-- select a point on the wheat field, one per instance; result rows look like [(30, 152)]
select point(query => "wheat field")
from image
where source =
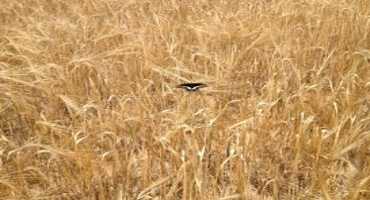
[(89, 107)]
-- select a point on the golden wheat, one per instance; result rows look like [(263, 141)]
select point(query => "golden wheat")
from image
[(89, 107)]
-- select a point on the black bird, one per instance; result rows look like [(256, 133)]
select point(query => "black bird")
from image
[(192, 87)]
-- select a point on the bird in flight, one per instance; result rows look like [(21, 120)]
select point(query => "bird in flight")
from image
[(192, 87)]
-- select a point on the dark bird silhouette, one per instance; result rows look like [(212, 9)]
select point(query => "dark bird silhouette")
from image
[(192, 87)]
